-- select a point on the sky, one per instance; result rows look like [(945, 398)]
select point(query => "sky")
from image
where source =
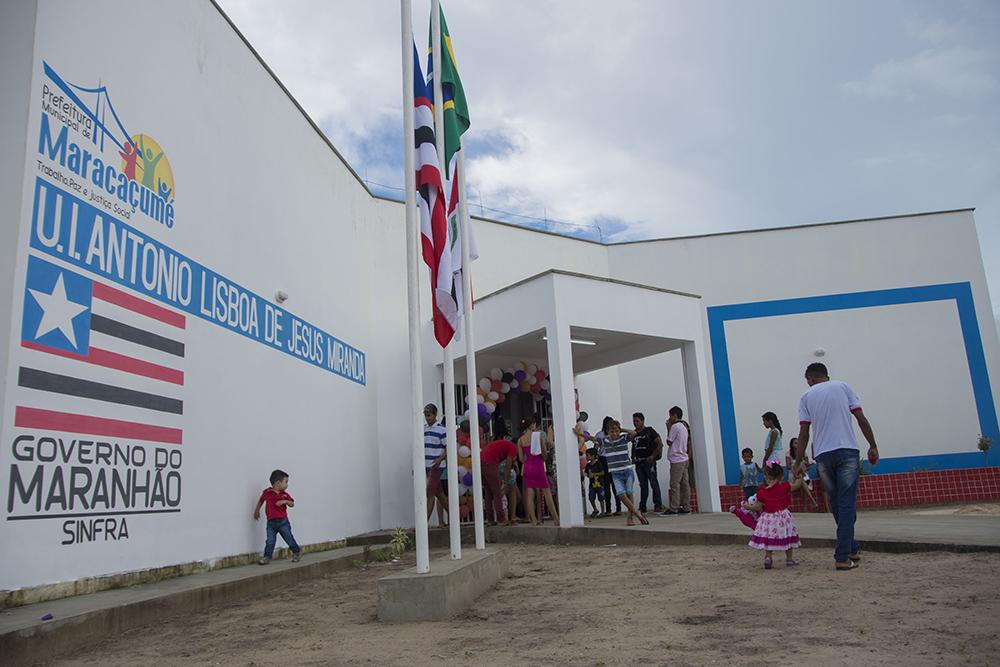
[(641, 119)]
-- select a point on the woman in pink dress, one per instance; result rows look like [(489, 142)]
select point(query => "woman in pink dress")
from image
[(532, 448)]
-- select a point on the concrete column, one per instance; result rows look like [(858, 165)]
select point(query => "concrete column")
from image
[(706, 469), (563, 420)]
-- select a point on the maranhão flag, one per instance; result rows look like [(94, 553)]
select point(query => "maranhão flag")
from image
[(456, 122), (437, 250), (98, 360)]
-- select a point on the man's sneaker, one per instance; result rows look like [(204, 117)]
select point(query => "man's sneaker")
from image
[(264, 561), (683, 511), (668, 513), (659, 509), (297, 557)]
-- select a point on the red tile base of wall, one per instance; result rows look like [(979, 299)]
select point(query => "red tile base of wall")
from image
[(896, 490)]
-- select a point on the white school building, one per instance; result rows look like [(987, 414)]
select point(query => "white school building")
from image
[(158, 189)]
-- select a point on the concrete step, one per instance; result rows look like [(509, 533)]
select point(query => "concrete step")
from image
[(77, 621)]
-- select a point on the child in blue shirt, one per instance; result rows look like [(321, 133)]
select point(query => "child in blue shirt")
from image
[(748, 473)]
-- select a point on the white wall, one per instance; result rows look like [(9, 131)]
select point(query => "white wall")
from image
[(261, 200), (16, 33), (821, 260)]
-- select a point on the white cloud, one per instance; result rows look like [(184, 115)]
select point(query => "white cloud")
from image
[(673, 118), (959, 72)]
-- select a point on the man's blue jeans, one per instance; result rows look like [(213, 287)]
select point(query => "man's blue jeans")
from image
[(839, 472), (281, 527)]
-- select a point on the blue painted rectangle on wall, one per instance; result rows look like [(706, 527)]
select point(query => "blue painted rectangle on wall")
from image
[(961, 293)]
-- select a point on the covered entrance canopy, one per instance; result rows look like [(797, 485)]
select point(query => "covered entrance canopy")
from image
[(538, 317)]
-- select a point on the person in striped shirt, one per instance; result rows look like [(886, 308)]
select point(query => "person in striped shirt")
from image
[(435, 452), (620, 467)]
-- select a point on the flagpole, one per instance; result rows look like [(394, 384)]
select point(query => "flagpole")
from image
[(413, 298), (454, 520), (470, 359)]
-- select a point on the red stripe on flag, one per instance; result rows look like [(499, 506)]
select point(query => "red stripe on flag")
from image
[(115, 428), (119, 362), (137, 305)]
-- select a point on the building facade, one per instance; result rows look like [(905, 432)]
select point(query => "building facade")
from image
[(159, 188)]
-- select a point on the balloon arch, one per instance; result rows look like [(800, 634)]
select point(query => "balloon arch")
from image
[(500, 384), (492, 391)]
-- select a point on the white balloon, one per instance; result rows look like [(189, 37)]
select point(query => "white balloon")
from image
[(514, 384), (493, 396), (531, 370), (461, 472), (485, 384), (504, 387), (496, 374), (466, 400), (490, 406), (480, 398), (463, 489), (464, 452), (544, 384), (509, 370)]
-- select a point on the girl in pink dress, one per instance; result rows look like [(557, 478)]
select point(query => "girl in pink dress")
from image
[(775, 529), (532, 448)]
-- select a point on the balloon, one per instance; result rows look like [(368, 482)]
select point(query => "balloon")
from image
[(479, 390), (531, 370), (540, 375), (493, 396), (545, 384), (490, 407), (514, 384), (504, 387), (467, 479), (496, 385), (462, 471), (480, 398), (496, 374), (508, 376), (501, 398), (464, 509), (464, 451), (484, 384), (467, 462), (519, 375), (519, 366), (483, 412)]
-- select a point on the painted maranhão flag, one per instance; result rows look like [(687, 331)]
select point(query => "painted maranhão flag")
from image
[(456, 123), (431, 202), (97, 360)]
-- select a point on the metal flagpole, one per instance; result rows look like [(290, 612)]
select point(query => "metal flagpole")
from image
[(454, 520), (413, 297), (470, 359)]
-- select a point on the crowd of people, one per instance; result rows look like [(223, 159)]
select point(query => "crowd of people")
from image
[(519, 475), (519, 478)]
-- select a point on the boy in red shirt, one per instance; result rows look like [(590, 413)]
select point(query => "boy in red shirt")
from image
[(277, 501)]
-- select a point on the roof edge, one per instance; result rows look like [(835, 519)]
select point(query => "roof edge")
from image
[(789, 227), (586, 276), (291, 97)]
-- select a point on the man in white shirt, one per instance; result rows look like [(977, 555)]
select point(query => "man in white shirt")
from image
[(826, 409)]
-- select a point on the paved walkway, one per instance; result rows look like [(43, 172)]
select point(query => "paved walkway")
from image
[(972, 526)]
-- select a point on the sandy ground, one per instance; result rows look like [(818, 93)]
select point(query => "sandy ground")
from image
[(611, 606)]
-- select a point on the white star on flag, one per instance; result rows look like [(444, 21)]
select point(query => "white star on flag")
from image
[(57, 311)]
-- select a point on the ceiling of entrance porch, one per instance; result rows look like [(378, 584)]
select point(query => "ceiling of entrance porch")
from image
[(612, 348)]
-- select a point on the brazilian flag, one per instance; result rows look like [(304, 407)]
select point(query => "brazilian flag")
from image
[(456, 110)]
